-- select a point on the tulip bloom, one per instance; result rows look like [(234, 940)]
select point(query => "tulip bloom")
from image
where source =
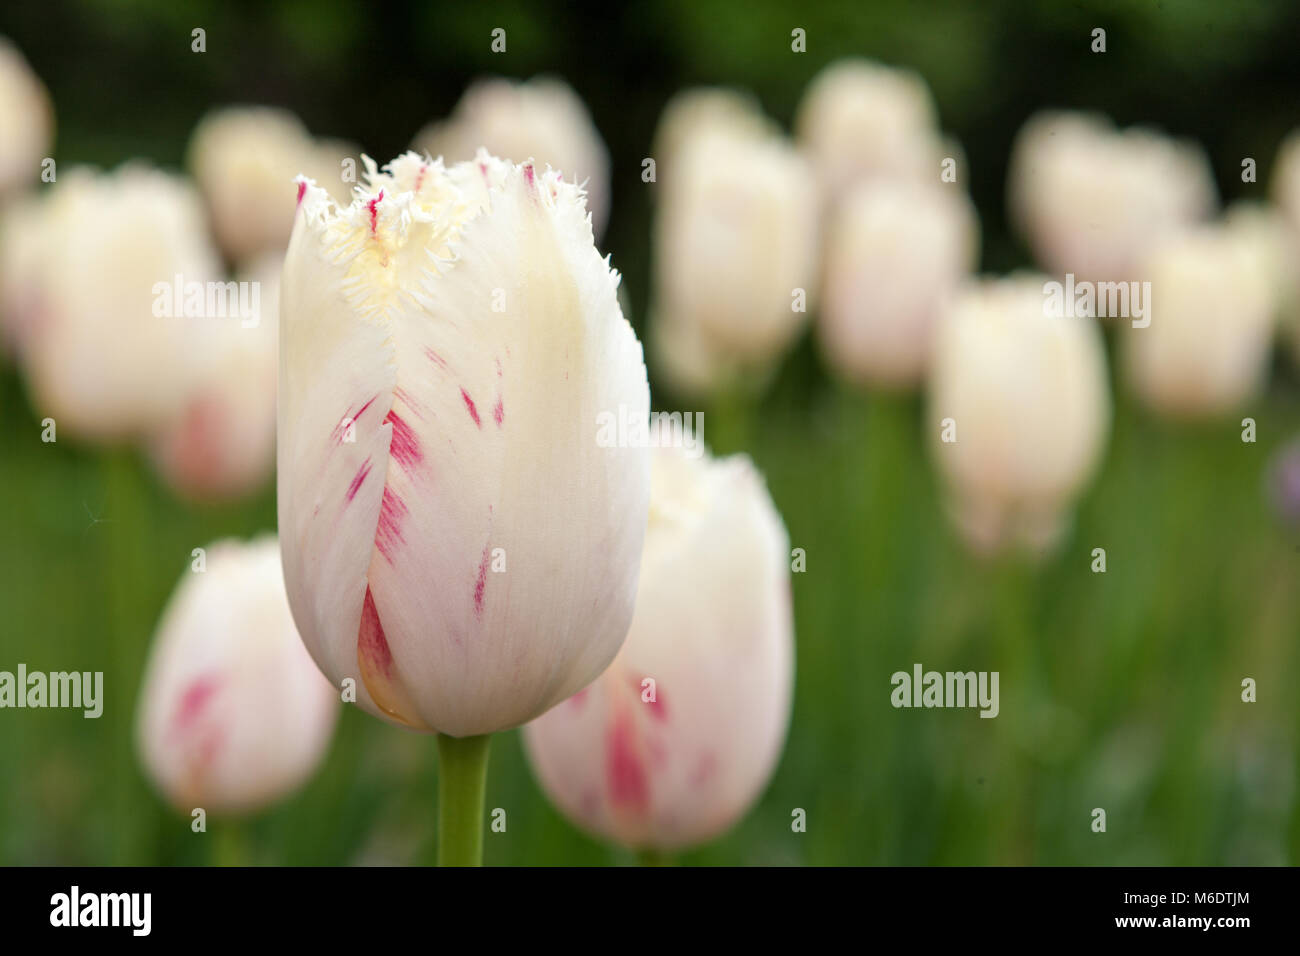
[(233, 714), (895, 254), (678, 737), (1019, 410), (542, 119), (1214, 296), (864, 121), (1092, 201), (99, 358), (735, 244), (219, 441), (26, 121), (242, 158), (454, 537)]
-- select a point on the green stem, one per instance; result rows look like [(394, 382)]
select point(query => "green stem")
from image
[(123, 531), (649, 856), (462, 781), (230, 845)]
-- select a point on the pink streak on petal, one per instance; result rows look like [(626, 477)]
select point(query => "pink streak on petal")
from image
[(372, 645), (196, 697), (435, 358), (358, 479), (374, 213), (625, 774), (302, 188), (404, 448), (499, 413), (388, 534), (480, 586), (578, 699), (469, 404)]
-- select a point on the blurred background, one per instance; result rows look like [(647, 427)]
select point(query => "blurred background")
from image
[(1119, 690)]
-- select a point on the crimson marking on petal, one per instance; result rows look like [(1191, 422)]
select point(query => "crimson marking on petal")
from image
[(469, 404), (499, 412), (404, 447), (419, 177), (625, 774), (372, 645), (302, 188), (403, 396), (374, 213), (196, 697), (480, 586), (388, 533), (528, 175), (358, 479), (435, 358), (704, 771)]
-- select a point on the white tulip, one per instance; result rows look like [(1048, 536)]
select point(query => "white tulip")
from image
[(107, 248), (1018, 412), (245, 160), (735, 244), (542, 119), (26, 121), (1092, 201), (679, 736), (1214, 299), (861, 120), (219, 441), (454, 536), (895, 254), (233, 714)]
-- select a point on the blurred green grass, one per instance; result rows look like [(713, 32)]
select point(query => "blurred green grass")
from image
[(1118, 690)]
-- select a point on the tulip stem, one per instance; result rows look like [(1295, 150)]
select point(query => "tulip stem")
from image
[(462, 782), (652, 857)]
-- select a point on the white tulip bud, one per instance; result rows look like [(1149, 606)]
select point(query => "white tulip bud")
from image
[(861, 120), (244, 160), (1092, 201), (233, 714), (26, 121), (101, 347), (455, 534), (895, 254), (219, 441), (1018, 411), (678, 737), (735, 249), (542, 119), (1213, 305)]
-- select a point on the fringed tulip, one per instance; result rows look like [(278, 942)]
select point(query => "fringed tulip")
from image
[(895, 254), (542, 119), (233, 714), (1019, 410), (455, 538), (675, 741)]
